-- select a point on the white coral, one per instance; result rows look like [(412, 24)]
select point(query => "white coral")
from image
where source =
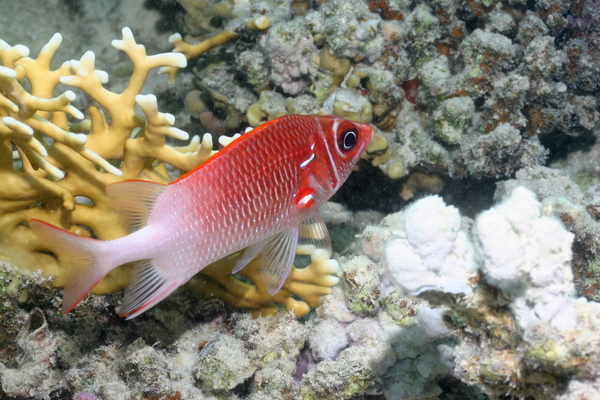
[(525, 254), (428, 249), (528, 256)]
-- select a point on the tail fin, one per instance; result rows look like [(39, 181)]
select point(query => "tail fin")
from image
[(86, 252)]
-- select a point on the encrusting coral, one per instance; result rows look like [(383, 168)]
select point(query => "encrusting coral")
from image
[(56, 170)]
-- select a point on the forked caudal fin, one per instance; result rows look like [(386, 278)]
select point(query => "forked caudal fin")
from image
[(89, 268)]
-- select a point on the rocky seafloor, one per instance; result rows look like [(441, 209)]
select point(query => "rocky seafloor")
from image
[(487, 290)]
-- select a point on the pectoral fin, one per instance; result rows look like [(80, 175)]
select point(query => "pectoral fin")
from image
[(314, 235), (276, 254), (249, 254), (311, 187)]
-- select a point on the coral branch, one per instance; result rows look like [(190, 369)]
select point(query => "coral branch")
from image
[(43, 80), (194, 50), (144, 63), (151, 143)]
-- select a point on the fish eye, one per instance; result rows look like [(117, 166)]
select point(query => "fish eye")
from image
[(348, 139)]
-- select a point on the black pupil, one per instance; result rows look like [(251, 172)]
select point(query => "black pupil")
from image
[(349, 140)]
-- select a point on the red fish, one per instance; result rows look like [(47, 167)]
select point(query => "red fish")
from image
[(261, 193)]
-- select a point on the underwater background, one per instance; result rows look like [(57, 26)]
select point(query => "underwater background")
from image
[(466, 238)]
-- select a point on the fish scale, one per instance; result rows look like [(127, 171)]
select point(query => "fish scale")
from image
[(255, 195)]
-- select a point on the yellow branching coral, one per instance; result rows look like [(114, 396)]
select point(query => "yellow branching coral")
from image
[(94, 152), (55, 166), (194, 50)]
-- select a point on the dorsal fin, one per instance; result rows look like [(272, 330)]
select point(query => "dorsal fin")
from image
[(135, 199)]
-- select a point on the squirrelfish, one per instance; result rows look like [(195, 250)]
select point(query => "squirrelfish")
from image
[(260, 193)]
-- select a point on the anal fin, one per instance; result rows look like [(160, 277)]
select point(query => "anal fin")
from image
[(148, 287)]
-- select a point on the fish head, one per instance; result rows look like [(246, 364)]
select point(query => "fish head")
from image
[(344, 142)]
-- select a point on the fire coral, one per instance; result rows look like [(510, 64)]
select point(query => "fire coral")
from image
[(39, 142)]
